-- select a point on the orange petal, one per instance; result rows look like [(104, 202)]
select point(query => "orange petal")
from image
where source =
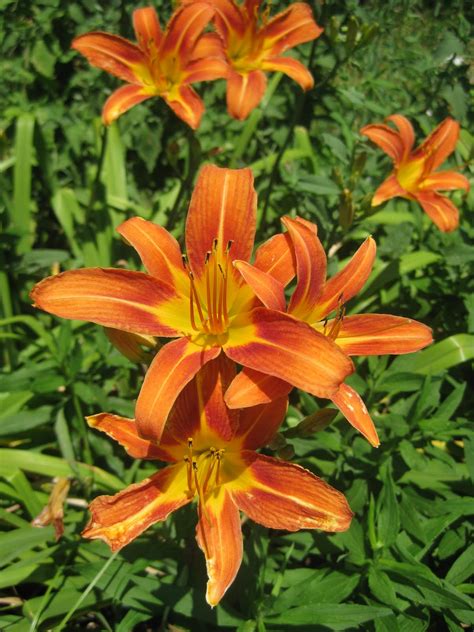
[(378, 334), (131, 345), (184, 28), (289, 28), (186, 104), (445, 181), (291, 67), (208, 45), (348, 282), (158, 249), (206, 70), (354, 410), (121, 518), (229, 19), (200, 409), (147, 29), (122, 100), (121, 299), (440, 209), (250, 388), (281, 495), (172, 368), (244, 92), (277, 258), (113, 54), (223, 207), (387, 139), (440, 143), (219, 536), (389, 189), (124, 431), (270, 291), (259, 424), (310, 267), (407, 133), (275, 343)]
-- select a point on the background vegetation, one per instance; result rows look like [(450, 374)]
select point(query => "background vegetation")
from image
[(65, 183)]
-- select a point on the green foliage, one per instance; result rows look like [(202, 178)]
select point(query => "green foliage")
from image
[(65, 183)]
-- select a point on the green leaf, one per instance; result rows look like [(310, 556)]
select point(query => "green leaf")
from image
[(21, 209), (335, 616), (21, 422), (439, 357), (463, 567), (53, 466), (14, 543)]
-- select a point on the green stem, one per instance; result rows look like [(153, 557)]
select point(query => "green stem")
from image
[(86, 592), (300, 101), (194, 160)]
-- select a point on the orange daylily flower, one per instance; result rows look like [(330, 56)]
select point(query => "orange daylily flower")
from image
[(212, 451), (163, 64), (204, 302), (414, 176), (313, 301), (254, 44)]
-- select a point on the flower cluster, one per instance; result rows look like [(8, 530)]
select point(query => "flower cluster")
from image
[(246, 44), (238, 330)]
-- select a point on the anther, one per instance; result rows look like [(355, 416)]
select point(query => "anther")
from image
[(229, 245), (184, 259), (208, 256), (214, 243)]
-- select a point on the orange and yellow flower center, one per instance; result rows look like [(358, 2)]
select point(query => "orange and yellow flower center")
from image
[(208, 309), (410, 173)]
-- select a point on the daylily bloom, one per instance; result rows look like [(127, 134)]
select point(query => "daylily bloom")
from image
[(313, 301), (254, 44), (162, 64), (201, 300), (414, 176), (213, 460)]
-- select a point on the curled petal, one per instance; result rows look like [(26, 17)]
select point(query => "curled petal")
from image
[(244, 92), (158, 249), (270, 291), (310, 267), (289, 28), (291, 67), (184, 29), (131, 345), (206, 70), (219, 536), (282, 495), (440, 209), (389, 189), (124, 431), (147, 29), (172, 368), (205, 394), (259, 424), (348, 282), (275, 343), (440, 143), (250, 388), (378, 334), (113, 54), (277, 258), (355, 411), (387, 139), (121, 518), (407, 133), (121, 100), (121, 299), (445, 181), (186, 104), (223, 207)]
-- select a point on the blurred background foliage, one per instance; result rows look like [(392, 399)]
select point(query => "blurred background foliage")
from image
[(66, 183)]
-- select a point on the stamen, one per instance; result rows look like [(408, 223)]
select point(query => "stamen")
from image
[(189, 474), (184, 259), (194, 298), (218, 469), (214, 244), (214, 291), (224, 290), (208, 293), (202, 506)]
